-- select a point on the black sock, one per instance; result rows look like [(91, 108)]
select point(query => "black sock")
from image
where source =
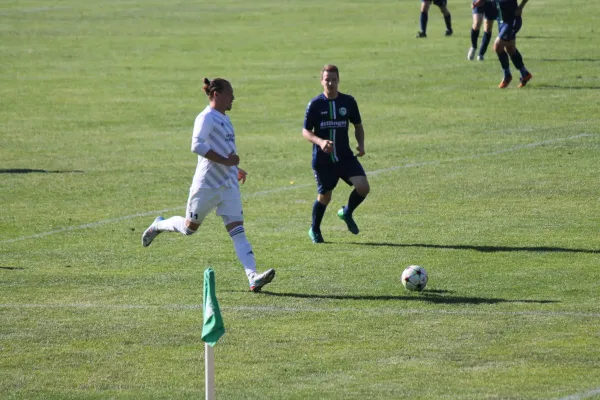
[(353, 202), (503, 57), (317, 215), (474, 37), (485, 40), (424, 18), (517, 60), (448, 19)]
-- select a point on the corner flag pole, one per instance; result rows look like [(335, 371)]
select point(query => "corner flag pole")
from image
[(209, 369), (212, 330)]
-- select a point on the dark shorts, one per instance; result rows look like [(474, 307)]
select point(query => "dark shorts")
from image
[(439, 3), (488, 9), (327, 176), (506, 30), (506, 17)]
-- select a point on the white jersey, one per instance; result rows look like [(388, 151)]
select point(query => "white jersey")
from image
[(213, 131)]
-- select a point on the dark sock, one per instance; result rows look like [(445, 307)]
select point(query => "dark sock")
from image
[(317, 215), (448, 19), (353, 202), (424, 18), (474, 37), (485, 40), (505, 63), (517, 60)]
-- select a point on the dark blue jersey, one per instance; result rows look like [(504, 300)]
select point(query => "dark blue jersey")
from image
[(330, 120), (506, 10)]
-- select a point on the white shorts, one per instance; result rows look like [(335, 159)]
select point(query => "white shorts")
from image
[(227, 201)]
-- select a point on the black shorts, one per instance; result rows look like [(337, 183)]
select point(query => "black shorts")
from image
[(506, 30), (328, 175), (488, 9), (439, 3)]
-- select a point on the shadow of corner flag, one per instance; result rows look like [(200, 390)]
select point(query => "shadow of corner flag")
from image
[(212, 328)]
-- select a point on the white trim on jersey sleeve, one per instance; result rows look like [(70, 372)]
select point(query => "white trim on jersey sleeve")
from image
[(203, 126)]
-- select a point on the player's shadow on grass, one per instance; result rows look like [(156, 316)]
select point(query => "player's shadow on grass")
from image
[(11, 268), (483, 249), (31, 171), (430, 296)]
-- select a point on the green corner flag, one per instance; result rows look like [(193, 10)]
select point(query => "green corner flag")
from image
[(213, 327)]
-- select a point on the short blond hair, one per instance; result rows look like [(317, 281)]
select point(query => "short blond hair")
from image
[(330, 68)]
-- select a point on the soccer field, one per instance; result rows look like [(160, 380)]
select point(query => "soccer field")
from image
[(496, 193)]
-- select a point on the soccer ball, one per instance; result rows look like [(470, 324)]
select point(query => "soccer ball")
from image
[(414, 278)]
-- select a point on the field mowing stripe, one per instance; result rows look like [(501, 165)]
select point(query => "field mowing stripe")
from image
[(475, 156), (294, 187), (31, 10), (274, 309), (580, 396)]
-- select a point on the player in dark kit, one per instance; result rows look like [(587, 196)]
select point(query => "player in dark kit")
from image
[(505, 44), (326, 124), (488, 11), (425, 4)]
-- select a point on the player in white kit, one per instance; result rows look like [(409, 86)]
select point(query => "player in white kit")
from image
[(215, 184)]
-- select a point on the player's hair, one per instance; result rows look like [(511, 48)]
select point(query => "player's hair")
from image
[(330, 68), (214, 85)]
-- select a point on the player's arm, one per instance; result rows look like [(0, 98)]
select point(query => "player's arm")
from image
[(359, 134), (201, 140), (241, 175), (231, 160), (309, 134), (519, 10), (325, 145)]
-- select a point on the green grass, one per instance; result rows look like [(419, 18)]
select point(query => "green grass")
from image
[(494, 192)]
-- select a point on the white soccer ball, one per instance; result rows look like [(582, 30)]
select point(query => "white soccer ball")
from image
[(414, 278)]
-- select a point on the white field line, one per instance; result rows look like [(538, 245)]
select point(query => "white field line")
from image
[(85, 226), (274, 309), (287, 188), (581, 396)]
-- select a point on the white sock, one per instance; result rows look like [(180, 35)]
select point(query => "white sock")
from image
[(243, 249), (174, 224)]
